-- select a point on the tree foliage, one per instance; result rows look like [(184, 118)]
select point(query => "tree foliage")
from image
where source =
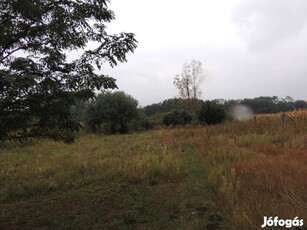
[(191, 105), (38, 83), (77, 110), (190, 79), (177, 118), (111, 113), (211, 113), (263, 105), (258, 105), (140, 122)]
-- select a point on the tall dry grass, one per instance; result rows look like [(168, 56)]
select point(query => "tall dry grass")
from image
[(258, 168), (43, 167)]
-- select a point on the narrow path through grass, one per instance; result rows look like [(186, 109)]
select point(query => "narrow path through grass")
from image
[(199, 200)]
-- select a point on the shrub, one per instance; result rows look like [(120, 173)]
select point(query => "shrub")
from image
[(211, 113), (140, 122), (111, 113), (177, 118)]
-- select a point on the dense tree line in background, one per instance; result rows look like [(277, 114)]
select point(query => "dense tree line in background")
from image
[(219, 109), (173, 104), (118, 112), (259, 105)]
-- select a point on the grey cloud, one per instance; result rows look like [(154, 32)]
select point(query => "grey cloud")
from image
[(276, 29), (266, 23)]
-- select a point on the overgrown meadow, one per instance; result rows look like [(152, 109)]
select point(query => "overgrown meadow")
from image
[(224, 176)]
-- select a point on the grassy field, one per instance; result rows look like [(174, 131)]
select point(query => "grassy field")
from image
[(219, 177)]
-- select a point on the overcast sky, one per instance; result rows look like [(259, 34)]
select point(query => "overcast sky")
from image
[(248, 48)]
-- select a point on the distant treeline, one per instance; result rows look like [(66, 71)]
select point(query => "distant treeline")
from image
[(172, 105), (259, 105), (118, 112)]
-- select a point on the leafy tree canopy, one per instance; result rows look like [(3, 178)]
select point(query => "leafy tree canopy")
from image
[(38, 83), (111, 113)]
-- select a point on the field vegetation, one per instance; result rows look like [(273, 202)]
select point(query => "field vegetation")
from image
[(205, 170), (225, 176), (257, 168)]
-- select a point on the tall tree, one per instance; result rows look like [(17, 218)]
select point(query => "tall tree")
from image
[(38, 83), (190, 79)]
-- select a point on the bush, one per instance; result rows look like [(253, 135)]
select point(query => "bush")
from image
[(211, 113), (177, 118), (140, 122), (111, 113)]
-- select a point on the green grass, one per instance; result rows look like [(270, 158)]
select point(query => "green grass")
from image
[(221, 177), (133, 181), (199, 199)]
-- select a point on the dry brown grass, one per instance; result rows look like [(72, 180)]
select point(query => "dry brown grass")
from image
[(256, 168), (259, 168)]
